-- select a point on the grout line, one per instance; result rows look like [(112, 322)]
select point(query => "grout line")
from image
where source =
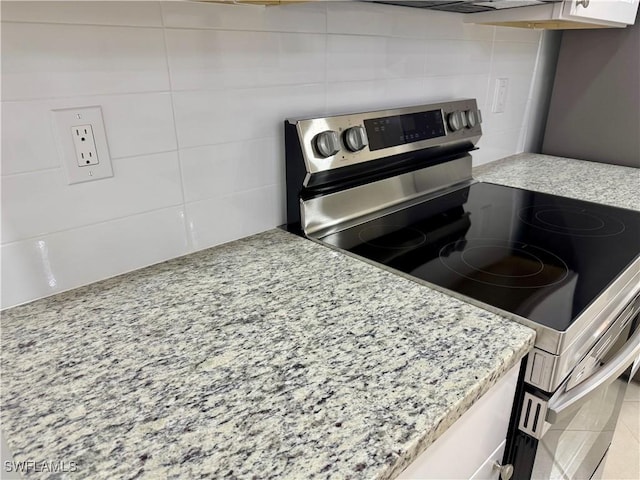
[(185, 223), (244, 30), (236, 192), (326, 57), (293, 32), (171, 92), (30, 172), (87, 95), (526, 127), (231, 142), (113, 159), (487, 99), (89, 225), (80, 24)]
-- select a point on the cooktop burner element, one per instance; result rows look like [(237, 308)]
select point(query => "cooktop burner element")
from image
[(520, 251), (571, 221), (505, 264)]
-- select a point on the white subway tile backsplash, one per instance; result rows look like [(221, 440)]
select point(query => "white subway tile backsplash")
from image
[(211, 117), (349, 18), (205, 233), (26, 272), (352, 57), (449, 26), (136, 124), (394, 92), (405, 57), (49, 60), (495, 145), (212, 59), (407, 91), (140, 14), (512, 118), (52, 263), (524, 35), (220, 170), (457, 86), (472, 57), (345, 97), (194, 96), (309, 18), (514, 58), (28, 142), (519, 86), (39, 203), (236, 215)]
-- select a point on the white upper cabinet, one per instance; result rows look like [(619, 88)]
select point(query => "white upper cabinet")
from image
[(538, 14), (565, 14), (617, 11)]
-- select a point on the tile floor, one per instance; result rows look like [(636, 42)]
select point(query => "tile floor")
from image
[(623, 460)]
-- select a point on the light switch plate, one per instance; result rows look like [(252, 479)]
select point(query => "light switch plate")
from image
[(500, 95), (66, 122)]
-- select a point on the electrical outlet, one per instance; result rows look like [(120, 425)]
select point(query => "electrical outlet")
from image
[(500, 95), (86, 153), (82, 143)]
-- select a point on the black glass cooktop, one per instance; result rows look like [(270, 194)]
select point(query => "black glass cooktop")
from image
[(539, 256)]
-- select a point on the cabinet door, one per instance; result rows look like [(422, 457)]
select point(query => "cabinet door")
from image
[(618, 11), (464, 450)]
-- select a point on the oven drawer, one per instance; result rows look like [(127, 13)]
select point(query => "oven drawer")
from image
[(566, 436)]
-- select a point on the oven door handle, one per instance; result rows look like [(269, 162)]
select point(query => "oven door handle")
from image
[(564, 402)]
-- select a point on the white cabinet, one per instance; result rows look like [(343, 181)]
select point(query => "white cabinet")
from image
[(567, 14), (470, 446), (617, 11)]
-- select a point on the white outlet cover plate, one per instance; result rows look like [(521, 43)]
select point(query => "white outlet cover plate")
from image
[(63, 121), (500, 95)]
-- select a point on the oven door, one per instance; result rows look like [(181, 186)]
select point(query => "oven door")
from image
[(581, 416)]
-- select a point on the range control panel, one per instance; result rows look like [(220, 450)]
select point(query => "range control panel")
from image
[(341, 140)]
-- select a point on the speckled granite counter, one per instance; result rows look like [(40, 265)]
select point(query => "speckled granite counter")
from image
[(591, 181), (269, 357)]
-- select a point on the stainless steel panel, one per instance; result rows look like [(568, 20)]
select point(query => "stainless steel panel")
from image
[(532, 416), (566, 401), (574, 445), (309, 128), (334, 212), (557, 353)]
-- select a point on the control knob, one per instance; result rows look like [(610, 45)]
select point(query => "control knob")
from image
[(327, 143), (472, 118), (456, 121), (355, 138)]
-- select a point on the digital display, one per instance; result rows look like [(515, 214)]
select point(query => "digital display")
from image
[(401, 129)]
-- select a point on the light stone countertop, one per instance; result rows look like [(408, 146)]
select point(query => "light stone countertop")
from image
[(613, 185), (271, 357), (268, 357)]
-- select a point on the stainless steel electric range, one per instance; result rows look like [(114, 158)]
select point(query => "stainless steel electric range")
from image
[(394, 188)]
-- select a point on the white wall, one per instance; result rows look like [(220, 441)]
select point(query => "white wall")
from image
[(193, 98)]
